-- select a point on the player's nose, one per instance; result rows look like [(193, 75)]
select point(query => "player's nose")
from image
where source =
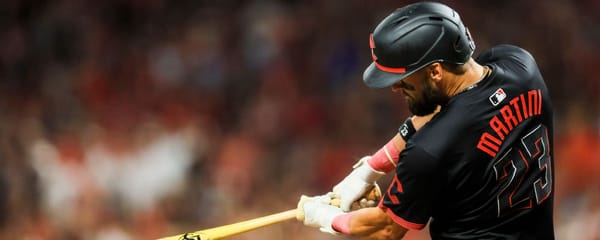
[(396, 87), (401, 85)]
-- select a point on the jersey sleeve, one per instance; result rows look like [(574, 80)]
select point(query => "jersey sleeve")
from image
[(410, 197)]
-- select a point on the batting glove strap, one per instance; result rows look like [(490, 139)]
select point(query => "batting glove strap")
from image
[(363, 171), (318, 213), (357, 183), (407, 129)]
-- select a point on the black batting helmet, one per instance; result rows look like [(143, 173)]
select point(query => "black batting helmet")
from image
[(413, 37)]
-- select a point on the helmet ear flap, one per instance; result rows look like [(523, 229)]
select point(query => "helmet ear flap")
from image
[(464, 45), (470, 39)]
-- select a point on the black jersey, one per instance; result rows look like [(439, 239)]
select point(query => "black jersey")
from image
[(482, 168)]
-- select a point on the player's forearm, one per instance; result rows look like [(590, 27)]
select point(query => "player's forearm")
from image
[(372, 223), (420, 121), (386, 158)]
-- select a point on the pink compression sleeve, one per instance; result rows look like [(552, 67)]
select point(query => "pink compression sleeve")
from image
[(386, 158), (341, 223)]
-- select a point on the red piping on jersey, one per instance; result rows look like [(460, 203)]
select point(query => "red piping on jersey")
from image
[(381, 67), (399, 220)]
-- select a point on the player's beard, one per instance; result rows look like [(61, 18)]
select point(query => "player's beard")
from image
[(428, 100)]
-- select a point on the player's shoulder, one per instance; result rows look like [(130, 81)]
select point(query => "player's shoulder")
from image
[(511, 60), (505, 52)]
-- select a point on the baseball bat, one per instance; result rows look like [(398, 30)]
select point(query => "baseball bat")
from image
[(235, 228), (249, 225)]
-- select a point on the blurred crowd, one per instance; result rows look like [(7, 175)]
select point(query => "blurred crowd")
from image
[(137, 119)]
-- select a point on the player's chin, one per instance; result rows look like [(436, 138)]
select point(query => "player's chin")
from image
[(410, 99), (421, 109)]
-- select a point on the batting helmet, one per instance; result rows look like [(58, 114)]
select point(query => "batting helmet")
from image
[(413, 37)]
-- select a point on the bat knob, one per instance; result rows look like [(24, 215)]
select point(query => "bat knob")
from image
[(191, 236)]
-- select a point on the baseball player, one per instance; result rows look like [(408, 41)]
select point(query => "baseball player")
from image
[(480, 168)]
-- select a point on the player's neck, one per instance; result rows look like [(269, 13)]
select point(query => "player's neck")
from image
[(467, 81)]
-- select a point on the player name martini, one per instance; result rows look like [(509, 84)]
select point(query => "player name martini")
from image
[(510, 115)]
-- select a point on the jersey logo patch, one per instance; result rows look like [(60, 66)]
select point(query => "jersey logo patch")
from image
[(497, 97)]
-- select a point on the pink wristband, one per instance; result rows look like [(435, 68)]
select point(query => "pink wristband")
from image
[(386, 158), (341, 223)]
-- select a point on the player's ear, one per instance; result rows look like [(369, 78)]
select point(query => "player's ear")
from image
[(434, 71)]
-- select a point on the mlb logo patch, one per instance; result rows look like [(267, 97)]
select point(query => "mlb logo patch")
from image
[(497, 97)]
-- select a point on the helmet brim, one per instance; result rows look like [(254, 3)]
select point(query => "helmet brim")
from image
[(377, 78)]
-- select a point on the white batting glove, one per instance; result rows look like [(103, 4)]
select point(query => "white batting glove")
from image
[(357, 183), (317, 212)]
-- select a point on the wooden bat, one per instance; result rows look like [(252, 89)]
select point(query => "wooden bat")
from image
[(236, 228), (249, 225)]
